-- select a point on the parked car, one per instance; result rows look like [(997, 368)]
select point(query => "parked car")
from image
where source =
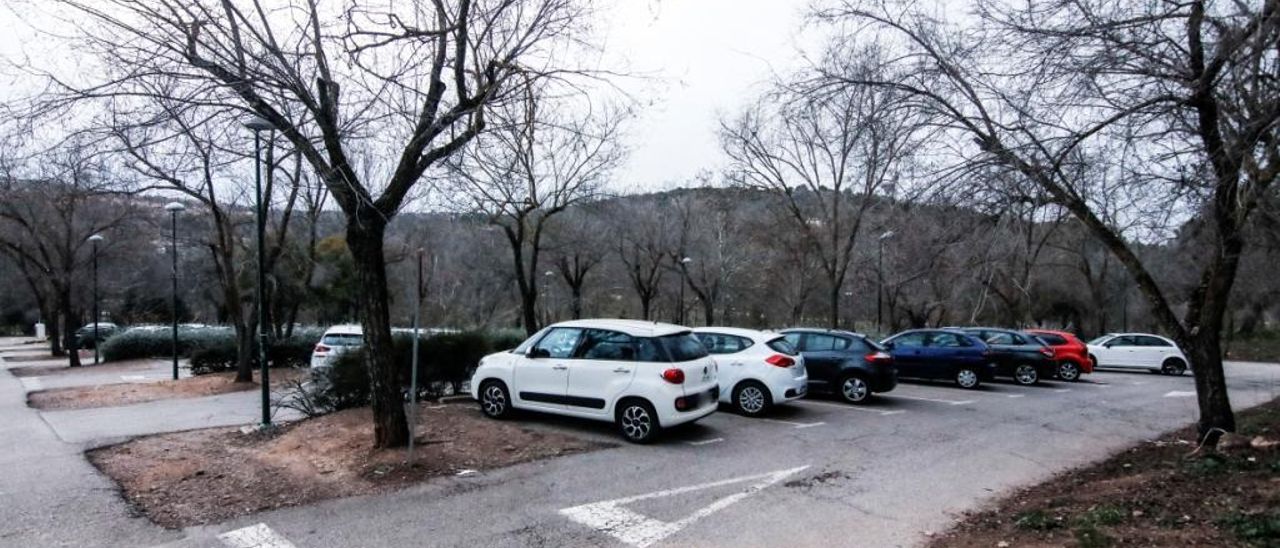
[(642, 376), (948, 354), (85, 336), (1017, 354), (336, 341), (846, 364), (757, 369), (1138, 351), (1070, 353)]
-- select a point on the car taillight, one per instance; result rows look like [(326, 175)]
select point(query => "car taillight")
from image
[(673, 376), (321, 349), (1048, 352), (779, 360), (878, 357)]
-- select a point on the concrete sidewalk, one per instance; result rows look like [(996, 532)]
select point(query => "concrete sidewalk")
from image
[(49, 494), (102, 425)]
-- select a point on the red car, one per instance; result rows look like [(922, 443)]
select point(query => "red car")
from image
[(1070, 352)]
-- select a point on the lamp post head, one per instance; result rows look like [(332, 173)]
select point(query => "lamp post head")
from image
[(686, 260), (96, 238), (549, 273), (256, 124), (886, 235), (175, 207)]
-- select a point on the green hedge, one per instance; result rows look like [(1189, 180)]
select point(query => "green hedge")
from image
[(445, 360), (210, 349)]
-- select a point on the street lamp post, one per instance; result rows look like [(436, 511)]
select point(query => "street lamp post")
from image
[(174, 208), (551, 303), (258, 125), (880, 280), (94, 240), (683, 261)]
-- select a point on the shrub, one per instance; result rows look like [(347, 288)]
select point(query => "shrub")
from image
[(1256, 529), (155, 341), (1036, 520), (221, 356)]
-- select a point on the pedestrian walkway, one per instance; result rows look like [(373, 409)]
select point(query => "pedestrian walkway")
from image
[(49, 494), (110, 424)]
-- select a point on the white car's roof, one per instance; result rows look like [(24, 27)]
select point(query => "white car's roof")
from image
[(635, 328), (345, 329), (1137, 334), (753, 334)]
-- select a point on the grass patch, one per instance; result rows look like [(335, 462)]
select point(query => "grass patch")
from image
[(1037, 520), (1260, 529)]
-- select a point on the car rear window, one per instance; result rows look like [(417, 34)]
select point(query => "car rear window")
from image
[(1051, 339), (342, 339), (783, 346), (682, 347)]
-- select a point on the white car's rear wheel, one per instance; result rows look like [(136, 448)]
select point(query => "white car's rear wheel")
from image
[(752, 399), (1173, 366), (637, 421)]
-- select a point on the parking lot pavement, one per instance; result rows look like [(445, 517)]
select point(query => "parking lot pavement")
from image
[(142, 371), (101, 425), (818, 473)]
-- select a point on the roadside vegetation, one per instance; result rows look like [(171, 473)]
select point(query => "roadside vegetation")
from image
[(1155, 494)]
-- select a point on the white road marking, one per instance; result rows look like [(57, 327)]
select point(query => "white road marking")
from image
[(851, 408), (1062, 390), (32, 384), (796, 424), (133, 378), (1015, 395), (255, 536), (935, 400), (1139, 383), (1180, 394), (638, 530), (705, 442)]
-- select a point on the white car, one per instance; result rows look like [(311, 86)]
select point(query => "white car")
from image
[(336, 341), (642, 376), (757, 369), (1138, 351)]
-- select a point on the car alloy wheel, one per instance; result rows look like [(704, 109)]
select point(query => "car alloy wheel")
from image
[(637, 422), (967, 378), (1026, 375), (494, 401), (1069, 372), (751, 399), (1173, 366), (854, 390)]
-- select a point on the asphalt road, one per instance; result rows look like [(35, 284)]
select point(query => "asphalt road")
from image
[(819, 473)]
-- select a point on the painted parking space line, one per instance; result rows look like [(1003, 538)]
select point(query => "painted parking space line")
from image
[(935, 400), (255, 536), (705, 442), (1180, 394), (612, 518), (1062, 390), (855, 408), (1015, 395), (794, 424)]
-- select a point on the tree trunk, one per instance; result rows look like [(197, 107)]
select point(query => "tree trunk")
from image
[(245, 342), (645, 304), (1205, 352), (55, 333), (365, 239), (529, 310), (709, 312), (835, 304), (577, 302)]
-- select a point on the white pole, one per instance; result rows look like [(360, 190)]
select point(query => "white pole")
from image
[(413, 375)]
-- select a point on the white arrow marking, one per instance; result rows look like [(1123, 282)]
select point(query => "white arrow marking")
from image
[(1179, 394), (640, 531), (255, 536)]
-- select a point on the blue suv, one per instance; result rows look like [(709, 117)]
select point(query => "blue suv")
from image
[(947, 354)]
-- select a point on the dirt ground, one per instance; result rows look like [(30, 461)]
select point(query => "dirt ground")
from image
[(108, 395), (1150, 495), (209, 476)]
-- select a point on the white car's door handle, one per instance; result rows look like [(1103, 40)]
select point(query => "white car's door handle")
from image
[(736, 363), (621, 370), (559, 367)]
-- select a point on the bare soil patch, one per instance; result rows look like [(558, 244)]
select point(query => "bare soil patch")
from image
[(1153, 494), (58, 366), (110, 395), (212, 475)]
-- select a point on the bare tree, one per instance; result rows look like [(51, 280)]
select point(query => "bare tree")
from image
[(1182, 100), (827, 155), (539, 160), (338, 82)]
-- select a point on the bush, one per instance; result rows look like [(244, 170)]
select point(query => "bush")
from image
[(210, 348)]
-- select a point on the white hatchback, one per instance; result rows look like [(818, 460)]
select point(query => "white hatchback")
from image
[(642, 376), (757, 369), (336, 340), (1138, 351)]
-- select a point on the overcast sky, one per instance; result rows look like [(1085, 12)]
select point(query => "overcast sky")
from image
[(703, 59)]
